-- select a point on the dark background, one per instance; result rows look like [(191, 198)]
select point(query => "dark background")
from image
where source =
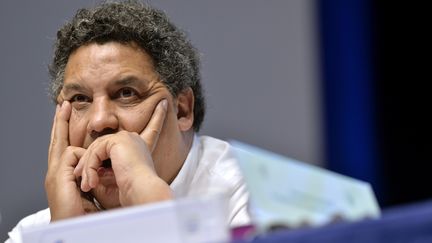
[(403, 77), (375, 59)]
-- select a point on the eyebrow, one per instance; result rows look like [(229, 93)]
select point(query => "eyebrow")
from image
[(130, 80), (72, 87)]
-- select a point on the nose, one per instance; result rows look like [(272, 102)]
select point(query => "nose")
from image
[(103, 118)]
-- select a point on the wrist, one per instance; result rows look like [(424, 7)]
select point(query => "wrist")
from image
[(148, 189)]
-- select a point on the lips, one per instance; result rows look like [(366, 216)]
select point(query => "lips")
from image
[(106, 174), (106, 169)]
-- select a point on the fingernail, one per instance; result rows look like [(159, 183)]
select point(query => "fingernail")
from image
[(83, 181), (164, 103), (64, 104)]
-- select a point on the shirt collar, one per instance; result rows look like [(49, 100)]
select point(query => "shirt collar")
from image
[(181, 183)]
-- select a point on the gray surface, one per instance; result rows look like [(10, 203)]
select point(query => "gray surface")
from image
[(259, 73)]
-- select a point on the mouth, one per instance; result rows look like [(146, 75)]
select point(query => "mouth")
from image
[(106, 163), (106, 173)]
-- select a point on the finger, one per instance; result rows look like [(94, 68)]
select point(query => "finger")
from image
[(83, 160), (88, 204), (60, 139), (72, 155), (151, 132), (52, 130), (91, 162), (90, 178), (64, 170), (79, 168)]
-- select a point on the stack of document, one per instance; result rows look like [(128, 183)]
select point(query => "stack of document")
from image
[(289, 193), (190, 220)]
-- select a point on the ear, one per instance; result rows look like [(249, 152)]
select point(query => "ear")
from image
[(185, 109)]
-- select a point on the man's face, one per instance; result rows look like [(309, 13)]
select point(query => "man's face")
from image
[(114, 87)]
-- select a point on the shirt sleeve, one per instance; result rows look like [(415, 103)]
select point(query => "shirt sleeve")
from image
[(239, 214), (42, 217)]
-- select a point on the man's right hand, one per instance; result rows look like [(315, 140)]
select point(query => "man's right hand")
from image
[(65, 198)]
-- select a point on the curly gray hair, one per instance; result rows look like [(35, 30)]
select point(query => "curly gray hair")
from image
[(175, 59)]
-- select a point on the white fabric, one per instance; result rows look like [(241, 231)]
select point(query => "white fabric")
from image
[(210, 167)]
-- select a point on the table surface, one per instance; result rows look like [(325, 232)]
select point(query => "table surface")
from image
[(411, 223)]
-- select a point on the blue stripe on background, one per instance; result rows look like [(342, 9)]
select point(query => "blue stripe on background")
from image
[(346, 54)]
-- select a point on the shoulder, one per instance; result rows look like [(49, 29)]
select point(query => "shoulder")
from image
[(42, 217), (217, 158)]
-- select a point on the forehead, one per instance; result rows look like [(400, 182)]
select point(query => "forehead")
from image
[(108, 61)]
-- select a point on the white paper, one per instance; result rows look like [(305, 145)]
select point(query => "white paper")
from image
[(290, 193), (190, 220)]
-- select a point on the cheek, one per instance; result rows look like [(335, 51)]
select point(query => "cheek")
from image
[(169, 130), (77, 129), (135, 120)]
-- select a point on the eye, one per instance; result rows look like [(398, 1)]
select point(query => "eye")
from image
[(79, 98), (127, 93), (79, 101)]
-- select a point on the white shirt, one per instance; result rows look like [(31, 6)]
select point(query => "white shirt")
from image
[(209, 167)]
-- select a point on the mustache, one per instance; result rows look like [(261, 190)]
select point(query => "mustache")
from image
[(106, 131)]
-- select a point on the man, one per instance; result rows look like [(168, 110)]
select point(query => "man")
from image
[(129, 101)]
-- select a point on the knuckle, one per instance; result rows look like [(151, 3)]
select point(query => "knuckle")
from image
[(69, 150), (47, 183), (134, 135), (122, 133), (154, 131), (49, 180), (126, 135), (53, 142)]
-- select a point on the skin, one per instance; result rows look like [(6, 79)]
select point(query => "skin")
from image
[(113, 105)]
